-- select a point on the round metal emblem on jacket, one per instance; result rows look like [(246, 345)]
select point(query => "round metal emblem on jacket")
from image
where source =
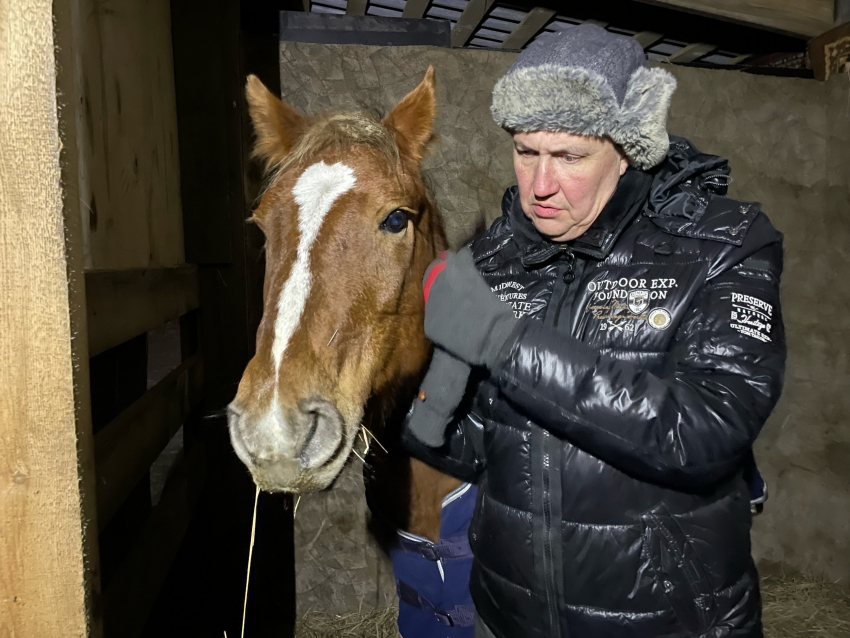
[(658, 318)]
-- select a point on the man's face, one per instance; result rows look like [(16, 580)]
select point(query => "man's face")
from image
[(565, 180)]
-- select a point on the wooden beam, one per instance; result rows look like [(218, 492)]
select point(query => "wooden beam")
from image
[(691, 53), (647, 38), (830, 53), (415, 8), (356, 7), (530, 26), (122, 304), (801, 18), (133, 590), (740, 59), (70, 44), (125, 448), (469, 21), (45, 589), (598, 23)]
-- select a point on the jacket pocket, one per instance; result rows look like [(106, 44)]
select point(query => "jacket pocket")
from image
[(679, 572)]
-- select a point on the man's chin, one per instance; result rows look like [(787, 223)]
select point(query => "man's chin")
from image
[(553, 229)]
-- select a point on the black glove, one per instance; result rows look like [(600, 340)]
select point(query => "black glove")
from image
[(462, 314), (441, 392)]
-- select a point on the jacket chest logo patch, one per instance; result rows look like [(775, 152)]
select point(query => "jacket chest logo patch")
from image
[(638, 301), (622, 304), (512, 294), (751, 317)]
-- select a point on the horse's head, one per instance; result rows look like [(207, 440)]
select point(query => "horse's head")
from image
[(350, 229)]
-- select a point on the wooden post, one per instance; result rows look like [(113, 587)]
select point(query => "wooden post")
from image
[(49, 585)]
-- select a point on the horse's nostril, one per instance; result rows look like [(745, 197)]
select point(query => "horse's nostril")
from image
[(322, 425), (313, 419)]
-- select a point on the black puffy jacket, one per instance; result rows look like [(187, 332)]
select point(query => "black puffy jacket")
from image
[(609, 445)]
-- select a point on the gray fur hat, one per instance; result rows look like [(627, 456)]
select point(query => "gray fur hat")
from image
[(588, 81)]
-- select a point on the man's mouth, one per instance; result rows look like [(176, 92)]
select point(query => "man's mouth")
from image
[(545, 211)]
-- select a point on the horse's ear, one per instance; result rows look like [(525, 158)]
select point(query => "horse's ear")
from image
[(276, 124), (412, 119)]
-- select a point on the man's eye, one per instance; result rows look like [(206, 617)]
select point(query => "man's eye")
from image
[(396, 221)]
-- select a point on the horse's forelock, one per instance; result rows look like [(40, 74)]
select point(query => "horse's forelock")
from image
[(336, 131)]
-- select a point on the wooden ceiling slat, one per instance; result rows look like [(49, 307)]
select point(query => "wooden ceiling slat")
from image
[(356, 7), (469, 21), (647, 38), (415, 8), (530, 26), (691, 53)]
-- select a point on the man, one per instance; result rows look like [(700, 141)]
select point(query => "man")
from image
[(622, 323)]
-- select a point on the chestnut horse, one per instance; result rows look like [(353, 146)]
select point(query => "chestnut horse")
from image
[(350, 229)]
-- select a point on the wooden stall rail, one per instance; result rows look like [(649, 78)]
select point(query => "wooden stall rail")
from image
[(123, 305)]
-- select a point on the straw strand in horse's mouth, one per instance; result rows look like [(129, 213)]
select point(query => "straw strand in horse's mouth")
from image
[(367, 431)]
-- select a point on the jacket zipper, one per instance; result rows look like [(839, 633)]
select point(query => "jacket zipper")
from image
[(571, 275), (568, 276), (548, 563)]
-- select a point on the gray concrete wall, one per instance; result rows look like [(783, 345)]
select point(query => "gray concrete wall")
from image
[(788, 142)]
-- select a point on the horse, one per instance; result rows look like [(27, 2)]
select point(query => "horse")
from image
[(350, 229)]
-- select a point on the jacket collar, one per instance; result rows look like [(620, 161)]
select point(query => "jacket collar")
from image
[(598, 240)]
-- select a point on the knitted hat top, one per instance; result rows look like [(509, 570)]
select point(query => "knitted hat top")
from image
[(588, 81)]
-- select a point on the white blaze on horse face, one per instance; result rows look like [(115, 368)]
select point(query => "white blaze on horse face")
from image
[(315, 193)]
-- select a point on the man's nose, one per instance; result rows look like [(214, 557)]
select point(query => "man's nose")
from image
[(545, 184)]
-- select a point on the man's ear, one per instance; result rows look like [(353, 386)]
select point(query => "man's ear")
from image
[(276, 124)]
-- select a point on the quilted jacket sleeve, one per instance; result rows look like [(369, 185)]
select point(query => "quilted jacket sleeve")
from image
[(687, 428)]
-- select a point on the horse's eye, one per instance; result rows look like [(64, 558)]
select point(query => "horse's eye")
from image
[(395, 222)]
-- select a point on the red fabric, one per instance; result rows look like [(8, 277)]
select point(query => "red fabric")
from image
[(432, 277)]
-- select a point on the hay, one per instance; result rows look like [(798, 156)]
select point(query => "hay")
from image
[(793, 607), (377, 623), (801, 607)]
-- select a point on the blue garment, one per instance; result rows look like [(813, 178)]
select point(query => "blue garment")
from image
[(432, 580), (755, 484)]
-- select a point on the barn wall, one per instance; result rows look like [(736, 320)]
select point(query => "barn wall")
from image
[(126, 115), (787, 141)]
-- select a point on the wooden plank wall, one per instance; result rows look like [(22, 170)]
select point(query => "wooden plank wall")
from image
[(44, 589), (130, 194), (124, 222)]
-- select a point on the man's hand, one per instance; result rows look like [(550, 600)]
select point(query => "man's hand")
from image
[(462, 315), (439, 395)]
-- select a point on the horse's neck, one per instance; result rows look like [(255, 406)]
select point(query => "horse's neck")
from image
[(428, 487), (407, 492)]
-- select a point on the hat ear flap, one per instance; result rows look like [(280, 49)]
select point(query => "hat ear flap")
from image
[(642, 124)]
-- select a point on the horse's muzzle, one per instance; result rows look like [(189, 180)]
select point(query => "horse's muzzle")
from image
[(283, 447)]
